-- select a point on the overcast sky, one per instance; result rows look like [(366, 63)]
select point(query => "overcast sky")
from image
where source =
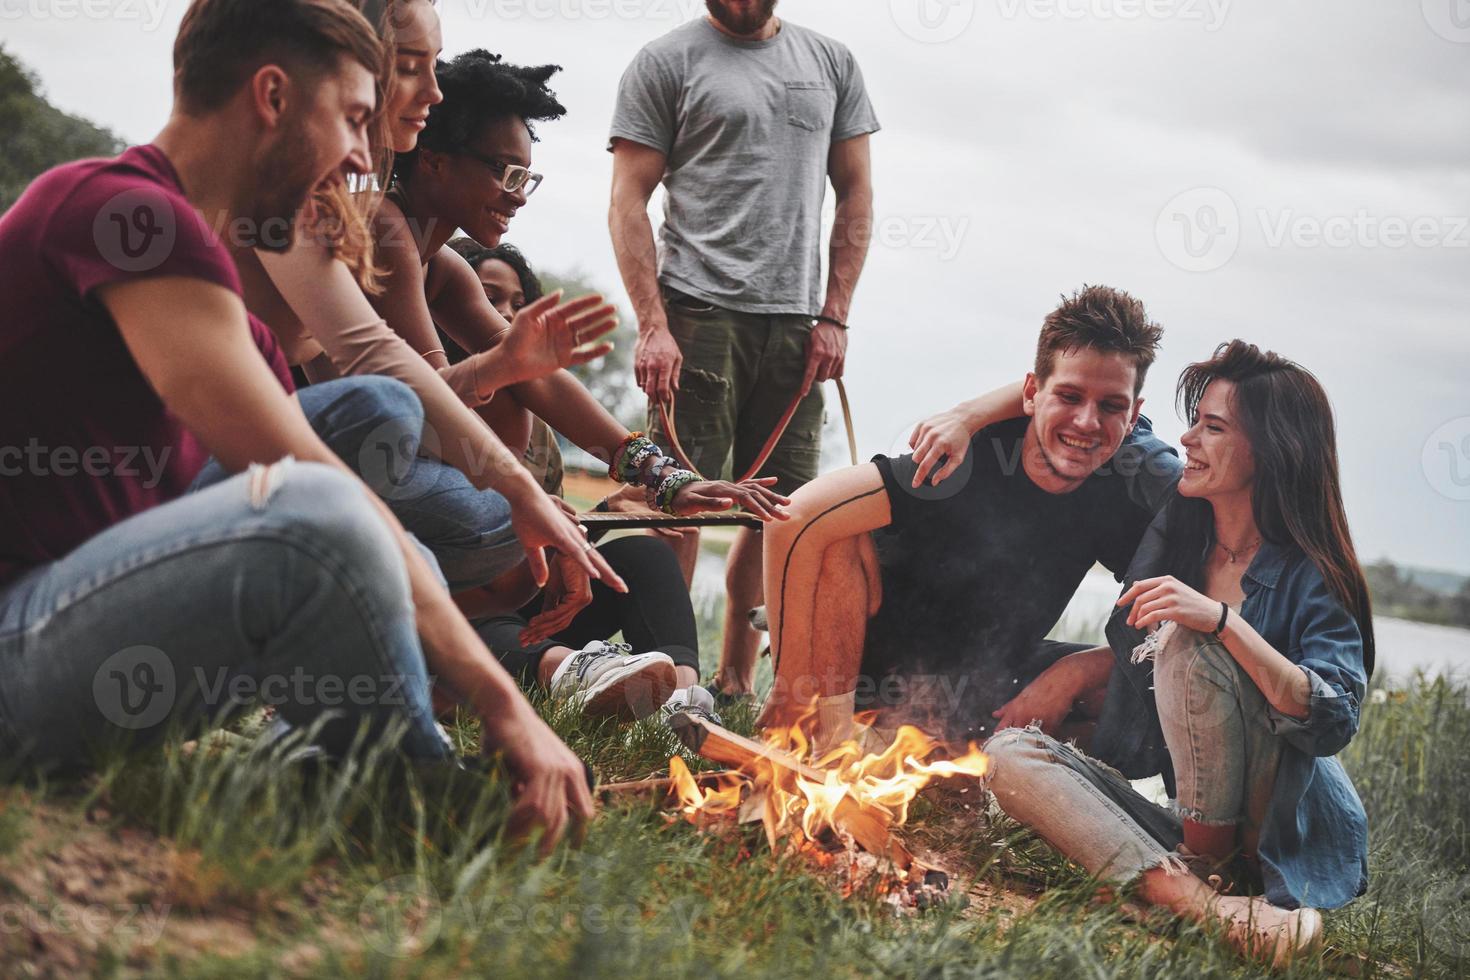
[(1296, 174)]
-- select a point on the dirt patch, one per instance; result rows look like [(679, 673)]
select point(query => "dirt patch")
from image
[(81, 891)]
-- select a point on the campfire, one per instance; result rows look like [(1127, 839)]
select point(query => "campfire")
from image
[(845, 803)]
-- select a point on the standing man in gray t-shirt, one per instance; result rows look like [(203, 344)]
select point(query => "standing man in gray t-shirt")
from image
[(743, 117)]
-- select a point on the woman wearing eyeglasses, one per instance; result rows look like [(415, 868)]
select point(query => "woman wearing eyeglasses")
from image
[(473, 507), (472, 170)]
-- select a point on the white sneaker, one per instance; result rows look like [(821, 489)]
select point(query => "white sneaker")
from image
[(693, 700), (606, 679)]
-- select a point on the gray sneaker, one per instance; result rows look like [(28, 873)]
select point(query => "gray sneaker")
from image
[(607, 679), (694, 701)]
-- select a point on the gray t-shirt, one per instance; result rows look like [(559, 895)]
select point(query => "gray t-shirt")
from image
[(747, 127)]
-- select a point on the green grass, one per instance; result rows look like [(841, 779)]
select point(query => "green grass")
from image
[(361, 872)]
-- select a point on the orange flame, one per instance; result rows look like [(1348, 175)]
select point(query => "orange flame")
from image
[(856, 796)]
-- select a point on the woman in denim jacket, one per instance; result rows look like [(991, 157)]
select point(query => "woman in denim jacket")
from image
[(1245, 641)]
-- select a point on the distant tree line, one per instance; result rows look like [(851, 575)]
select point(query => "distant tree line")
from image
[(35, 135), (1396, 593)]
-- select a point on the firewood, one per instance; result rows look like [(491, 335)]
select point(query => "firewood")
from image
[(869, 826), (661, 784)]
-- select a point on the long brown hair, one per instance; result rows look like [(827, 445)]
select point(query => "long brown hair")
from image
[(1297, 496), (345, 215)]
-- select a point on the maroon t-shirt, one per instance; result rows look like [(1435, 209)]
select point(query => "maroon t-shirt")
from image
[(84, 441)]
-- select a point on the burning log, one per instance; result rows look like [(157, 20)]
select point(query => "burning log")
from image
[(862, 797), (662, 785)]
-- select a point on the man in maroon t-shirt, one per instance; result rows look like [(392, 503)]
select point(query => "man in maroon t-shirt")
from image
[(125, 354)]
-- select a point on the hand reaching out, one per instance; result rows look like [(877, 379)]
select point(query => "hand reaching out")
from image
[(756, 496), (568, 591), (549, 334)]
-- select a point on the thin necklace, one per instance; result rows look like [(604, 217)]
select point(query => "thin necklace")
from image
[(1235, 553)]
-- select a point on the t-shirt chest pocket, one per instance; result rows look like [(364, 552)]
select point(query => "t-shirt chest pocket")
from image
[(810, 105)]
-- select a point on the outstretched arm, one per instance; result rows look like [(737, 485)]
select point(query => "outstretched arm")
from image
[(189, 338), (941, 443)]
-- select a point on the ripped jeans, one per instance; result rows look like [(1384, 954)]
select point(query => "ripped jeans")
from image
[(1225, 761), (375, 425), (281, 585)]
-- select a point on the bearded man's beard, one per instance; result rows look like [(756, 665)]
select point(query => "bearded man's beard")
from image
[(286, 181), (743, 21)]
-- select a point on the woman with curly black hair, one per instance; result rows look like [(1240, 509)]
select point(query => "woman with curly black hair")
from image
[(471, 170)]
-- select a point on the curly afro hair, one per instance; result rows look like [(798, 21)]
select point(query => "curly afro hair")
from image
[(479, 88), (474, 253)]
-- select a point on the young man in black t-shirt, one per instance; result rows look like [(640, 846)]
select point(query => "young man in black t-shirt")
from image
[(930, 603)]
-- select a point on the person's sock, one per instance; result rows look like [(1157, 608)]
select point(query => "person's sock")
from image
[(559, 672), (834, 721)]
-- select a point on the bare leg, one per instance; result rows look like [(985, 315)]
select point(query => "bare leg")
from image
[(736, 674), (821, 586)]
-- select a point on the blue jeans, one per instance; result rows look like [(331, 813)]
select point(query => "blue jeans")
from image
[(280, 585), (1224, 755), (376, 426)]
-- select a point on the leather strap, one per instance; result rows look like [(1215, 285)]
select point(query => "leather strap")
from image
[(676, 448)]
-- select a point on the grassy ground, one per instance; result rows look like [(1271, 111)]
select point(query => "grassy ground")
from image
[(228, 862)]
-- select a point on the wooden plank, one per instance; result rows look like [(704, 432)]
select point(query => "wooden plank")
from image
[(598, 521)]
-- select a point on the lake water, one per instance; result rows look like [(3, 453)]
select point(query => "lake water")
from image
[(1403, 646)]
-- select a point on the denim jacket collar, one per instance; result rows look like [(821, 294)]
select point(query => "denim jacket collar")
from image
[(1270, 561)]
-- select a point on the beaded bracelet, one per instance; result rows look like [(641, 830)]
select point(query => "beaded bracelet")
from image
[(627, 461), (669, 488)]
